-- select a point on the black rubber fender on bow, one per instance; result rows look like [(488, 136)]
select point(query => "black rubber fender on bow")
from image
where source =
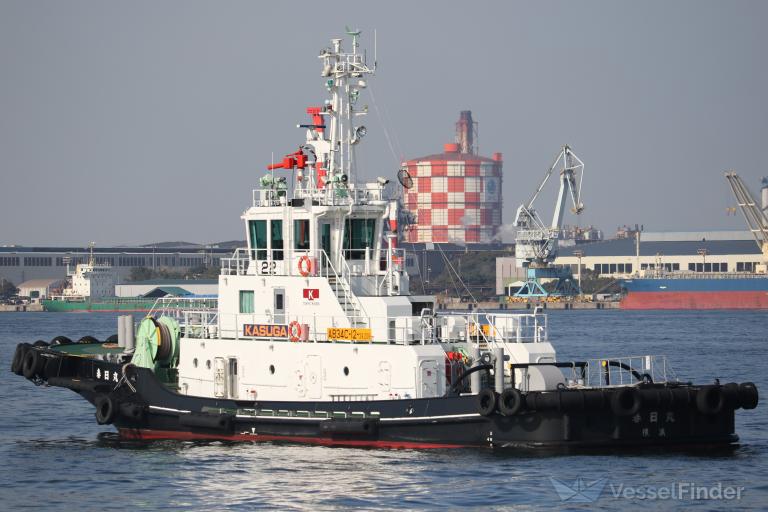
[(106, 409), (17, 364), (33, 363)]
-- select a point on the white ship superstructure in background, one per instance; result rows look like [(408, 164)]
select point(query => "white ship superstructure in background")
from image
[(90, 280)]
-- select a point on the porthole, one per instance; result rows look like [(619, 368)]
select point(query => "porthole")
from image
[(346, 370), (272, 369), (194, 362), (208, 364)]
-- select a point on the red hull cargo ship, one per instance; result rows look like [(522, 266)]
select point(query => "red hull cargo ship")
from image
[(723, 291)]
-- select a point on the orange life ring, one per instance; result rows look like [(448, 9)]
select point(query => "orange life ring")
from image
[(294, 331), (305, 266)]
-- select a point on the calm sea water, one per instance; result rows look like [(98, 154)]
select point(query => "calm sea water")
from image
[(54, 456)]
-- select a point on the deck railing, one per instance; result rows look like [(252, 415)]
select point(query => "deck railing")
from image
[(285, 262), (200, 318), (687, 274), (621, 371), (330, 195)]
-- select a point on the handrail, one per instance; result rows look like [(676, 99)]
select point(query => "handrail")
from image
[(201, 319), (239, 262), (169, 305), (687, 274), (498, 338), (346, 289)]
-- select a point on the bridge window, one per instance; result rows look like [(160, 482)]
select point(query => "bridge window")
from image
[(258, 235), (277, 239), (246, 301), (301, 234), (358, 235)]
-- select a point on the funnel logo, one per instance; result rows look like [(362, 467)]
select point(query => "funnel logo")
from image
[(311, 293), (580, 491)]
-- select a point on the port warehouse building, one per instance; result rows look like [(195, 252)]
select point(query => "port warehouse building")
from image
[(700, 252), (19, 264)]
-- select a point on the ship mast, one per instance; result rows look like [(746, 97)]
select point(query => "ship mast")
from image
[(333, 133), (345, 72)]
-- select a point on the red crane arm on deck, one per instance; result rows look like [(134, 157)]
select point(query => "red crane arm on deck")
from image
[(297, 160)]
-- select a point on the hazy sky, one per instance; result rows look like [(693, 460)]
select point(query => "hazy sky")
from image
[(134, 122)]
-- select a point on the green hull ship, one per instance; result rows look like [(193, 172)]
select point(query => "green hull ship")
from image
[(137, 304), (107, 304)]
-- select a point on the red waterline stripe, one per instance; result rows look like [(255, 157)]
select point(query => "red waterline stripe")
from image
[(147, 435), (696, 300)]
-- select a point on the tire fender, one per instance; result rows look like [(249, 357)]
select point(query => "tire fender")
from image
[(106, 409), (511, 402), (748, 395), (33, 364), (486, 402), (626, 402), (710, 399), (17, 364)]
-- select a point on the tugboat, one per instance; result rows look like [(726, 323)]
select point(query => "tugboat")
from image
[(317, 339)]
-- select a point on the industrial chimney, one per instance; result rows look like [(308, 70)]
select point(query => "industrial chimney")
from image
[(466, 130), (456, 195)]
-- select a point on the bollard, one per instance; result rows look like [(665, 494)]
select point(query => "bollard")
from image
[(121, 331), (498, 369), (474, 379), (130, 339)]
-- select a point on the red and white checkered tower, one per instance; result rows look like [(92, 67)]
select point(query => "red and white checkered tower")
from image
[(456, 195)]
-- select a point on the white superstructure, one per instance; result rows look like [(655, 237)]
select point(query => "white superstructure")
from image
[(91, 280), (317, 306)]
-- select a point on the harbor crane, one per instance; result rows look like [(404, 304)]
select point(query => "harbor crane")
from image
[(754, 215), (536, 243)]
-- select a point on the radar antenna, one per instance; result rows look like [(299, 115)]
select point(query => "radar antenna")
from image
[(404, 177)]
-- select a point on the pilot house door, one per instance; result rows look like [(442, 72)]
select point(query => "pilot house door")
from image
[(279, 306), (325, 240), (429, 378)]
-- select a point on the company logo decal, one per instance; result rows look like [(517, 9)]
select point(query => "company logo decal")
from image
[(311, 293), (580, 491), (265, 330)]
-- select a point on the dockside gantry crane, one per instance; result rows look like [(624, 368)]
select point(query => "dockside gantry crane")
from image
[(536, 244), (757, 220)]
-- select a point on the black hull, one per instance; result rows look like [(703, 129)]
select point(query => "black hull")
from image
[(143, 408)]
